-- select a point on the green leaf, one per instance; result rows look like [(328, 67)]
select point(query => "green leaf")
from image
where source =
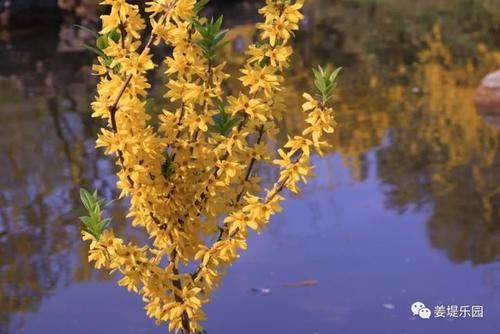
[(325, 81), (317, 75), (93, 223), (167, 169), (114, 35), (107, 61), (218, 23), (320, 84), (102, 42), (86, 220), (109, 203), (220, 36), (117, 68), (223, 123), (97, 51), (149, 105), (211, 36), (96, 209), (200, 5), (334, 75), (90, 31), (321, 71), (86, 198)]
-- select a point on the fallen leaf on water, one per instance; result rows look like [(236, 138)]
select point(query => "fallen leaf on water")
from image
[(389, 306), (264, 291), (302, 284)]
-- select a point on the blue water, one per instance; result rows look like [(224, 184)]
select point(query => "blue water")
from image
[(371, 264)]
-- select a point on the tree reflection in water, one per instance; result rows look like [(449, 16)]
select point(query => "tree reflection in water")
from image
[(47, 153), (443, 154)]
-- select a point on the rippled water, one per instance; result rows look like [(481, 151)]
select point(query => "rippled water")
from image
[(405, 208)]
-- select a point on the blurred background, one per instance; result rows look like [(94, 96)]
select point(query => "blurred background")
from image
[(404, 208)]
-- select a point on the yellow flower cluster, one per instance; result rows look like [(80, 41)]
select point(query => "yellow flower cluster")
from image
[(192, 182)]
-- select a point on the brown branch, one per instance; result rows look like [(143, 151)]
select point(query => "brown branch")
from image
[(125, 84), (112, 110), (204, 107), (250, 167), (177, 136), (278, 187), (204, 197), (191, 31), (122, 32), (114, 107), (178, 285)]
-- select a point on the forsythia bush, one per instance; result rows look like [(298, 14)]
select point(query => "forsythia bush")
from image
[(191, 181)]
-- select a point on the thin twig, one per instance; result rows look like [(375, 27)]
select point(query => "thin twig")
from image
[(198, 204), (114, 107), (250, 167), (178, 285), (278, 187)]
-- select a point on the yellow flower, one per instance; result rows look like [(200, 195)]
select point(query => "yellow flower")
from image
[(260, 78), (109, 242), (239, 221), (253, 107), (86, 236), (137, 64), (192, 93), (256, 54), (285, 160), (311, 103), (295, 172), (184, 9), (280, 29), (111, 21), (180, 179), (292, 13), (99, 257), (260, 152), (176, 90), (196, 122), (299, 143), (279, 56), (181, 65), (131, 280), (270, 10), (315, 130), (132, 19), (157, 6)]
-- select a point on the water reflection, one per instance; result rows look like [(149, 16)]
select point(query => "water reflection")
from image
[(412, 163), (443, 154), (47, 154)]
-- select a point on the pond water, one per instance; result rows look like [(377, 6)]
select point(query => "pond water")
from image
[(404, 208)]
